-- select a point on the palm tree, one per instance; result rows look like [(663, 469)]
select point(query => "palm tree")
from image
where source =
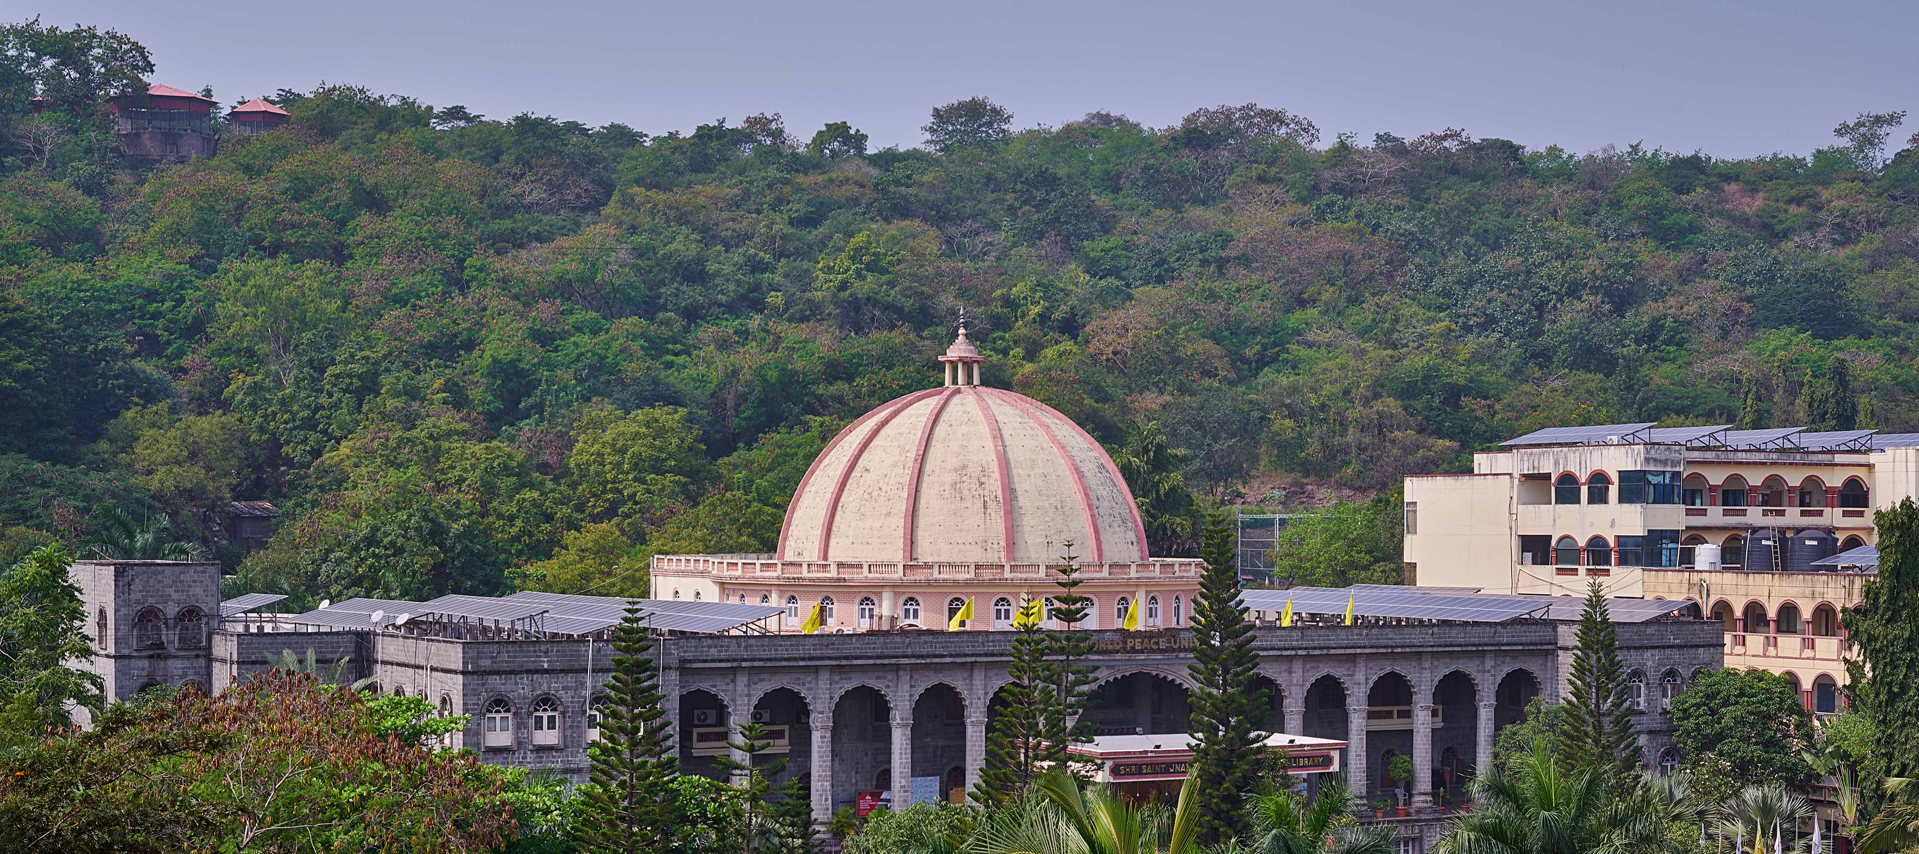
[(1896, 826), (1285, 823), (121, 538), (1765, 820), (1541, 810), (1061, 817)]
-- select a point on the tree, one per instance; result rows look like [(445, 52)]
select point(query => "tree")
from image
[(792, 819), (1866, 137), (837, 140), (633, 468), (753, 779), (1226, 700), (1541, 724), (1895, 827), (1750, 719), (121, 538), (1065, 817), (1543, 809), (277, 763), (1345, 543), (1283, 822), (631, 807), (1761, 818), (1066, 677), (973, 123), (1884, 674), (923, 828), (42, 629), (1598, 729), (1013, 741), (1166, 506), (1830, 404)]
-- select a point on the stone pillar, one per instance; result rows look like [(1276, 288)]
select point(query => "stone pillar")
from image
[(902, 761), (822, 768), (1295, 711), (1483, 760), (1356, 780), (975, 748), (1422, 755), (733, 729)]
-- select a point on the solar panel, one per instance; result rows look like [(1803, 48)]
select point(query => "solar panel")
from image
[(1895, 440), (483, 608), (1837, 440), (1402, 603), (243, 604), (1593, 435), (1693, 437), (1570, 608), (1861, 556), (1778, 438)]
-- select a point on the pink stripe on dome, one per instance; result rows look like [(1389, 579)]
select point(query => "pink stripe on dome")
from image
[(1005, 479), (913, 474), (1139, 525), (1079, 478), (839, 486), (786, 528)]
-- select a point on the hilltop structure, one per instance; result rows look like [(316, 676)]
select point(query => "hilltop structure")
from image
[(165, 124)]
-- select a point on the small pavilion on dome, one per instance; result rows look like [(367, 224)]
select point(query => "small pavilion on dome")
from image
[(955, 494), (256, 117)]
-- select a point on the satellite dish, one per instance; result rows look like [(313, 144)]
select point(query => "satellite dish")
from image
[(401, 620), (376, 617), (324, 603)]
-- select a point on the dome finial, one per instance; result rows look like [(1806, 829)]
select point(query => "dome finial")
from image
[(962, 358)]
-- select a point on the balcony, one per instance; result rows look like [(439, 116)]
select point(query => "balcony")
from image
[(1768, 517), (1770, 650)]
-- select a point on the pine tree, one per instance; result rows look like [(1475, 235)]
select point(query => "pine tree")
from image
[(1885, 673), (754, 780), (1227, 699), (1598, 729), (1013, 743), (1066, 677), (629, 809), (1752, 406), (792, 820), (1830, 404)]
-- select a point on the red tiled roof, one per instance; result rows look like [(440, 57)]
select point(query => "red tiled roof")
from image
[(164, 91), (260, 105)]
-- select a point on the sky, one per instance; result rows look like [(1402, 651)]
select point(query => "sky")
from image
[(1734, 79)]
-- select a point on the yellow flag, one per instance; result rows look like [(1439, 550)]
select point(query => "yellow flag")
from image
[(1286, 616), (1131, 621), (1349, 609), (1029, 614), (813, 620), (965, 613)]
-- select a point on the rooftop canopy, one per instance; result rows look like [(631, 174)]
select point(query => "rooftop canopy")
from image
[(243, 604), (1718, 436), (535, 615)]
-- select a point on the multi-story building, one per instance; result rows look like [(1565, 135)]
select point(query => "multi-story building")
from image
[(1749, 524)]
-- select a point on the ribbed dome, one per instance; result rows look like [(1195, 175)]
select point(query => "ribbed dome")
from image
[(963, 474)]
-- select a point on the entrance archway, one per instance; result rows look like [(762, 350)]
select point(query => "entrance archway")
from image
[(1138, 703), (1275, 706), (789, 725), (939, 737), (1456, 739), (862, 743), (1389, 730), (1516, 689), (705, 728)]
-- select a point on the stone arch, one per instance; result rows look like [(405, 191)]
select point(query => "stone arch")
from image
[(1138, 700), (850, 687), (704, 725), (863, 717), (1175, 675), (787, 714), (1373, 685), (783, 685), (1324, 706), (939, 716), (1275, 703), (1517, 687)]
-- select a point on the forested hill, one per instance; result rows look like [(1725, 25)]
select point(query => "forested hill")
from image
[(462, 353)]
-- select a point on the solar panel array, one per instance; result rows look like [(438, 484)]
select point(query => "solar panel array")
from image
[(243, 604), (1837, 440), (1895, 440), (1594, 435), (1696, 437), (547, 613), (1861, 556), (1443, 603)]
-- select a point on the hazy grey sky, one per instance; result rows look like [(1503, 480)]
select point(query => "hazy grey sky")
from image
[(1732, 78)]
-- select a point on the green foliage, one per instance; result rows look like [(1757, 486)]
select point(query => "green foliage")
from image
[(1751, 719), (1285, 822), (1597, 731), (1166, 506), (412, 720), (42, 629), (792, 818), (1829, 400), (1542, 808), (753, 779), (1227, 702), (972, 123), (636, 801), (1885, 672), (1067, 676), (1541, 724), (918, 829), (1342, 544)]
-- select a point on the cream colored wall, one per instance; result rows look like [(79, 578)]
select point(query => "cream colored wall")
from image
[(1464, 531), (1803, 654), (1895, 476)]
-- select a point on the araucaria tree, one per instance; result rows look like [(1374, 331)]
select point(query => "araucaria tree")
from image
[(754, 780), (1598, 731), (1013, 748), (1066, 676), (1226, 699), (629, 809), (1885, 673)]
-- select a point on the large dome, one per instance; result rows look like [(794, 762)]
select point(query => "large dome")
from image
[(963, 474)]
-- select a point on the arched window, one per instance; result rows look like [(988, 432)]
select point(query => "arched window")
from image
[(1693, 491), (743, 598), (1668, 689), (1812, 492), (499, 724), (1566, 552), (1853, 494), (766, 599), (191, 630), (1636, 690), (593, 714), (546, 722), (1002, 612), (1734, 492), (149, 629), (953, 607), (100, 629), (867, 609), (1732, 555), (1599, 489), (1788, 620), (1851, 543), (1179, 611), (1119, 611), (1825, 621), (446, 711), (1566, 490), (1825, 695), (676, 593), (828, 609), (792, 607), (1668, 761), (1152, 610), (1598, 552), (1756, 622), (696, 595), (910, 609), (399, 691)]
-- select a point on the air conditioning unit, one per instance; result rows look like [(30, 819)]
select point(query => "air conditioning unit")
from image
[(762, 716), (706, 717)]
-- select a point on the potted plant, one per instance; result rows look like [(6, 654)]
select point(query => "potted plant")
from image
[(1379, 806), (1400, 768)]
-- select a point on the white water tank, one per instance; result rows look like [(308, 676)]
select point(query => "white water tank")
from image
[(1705, 558)]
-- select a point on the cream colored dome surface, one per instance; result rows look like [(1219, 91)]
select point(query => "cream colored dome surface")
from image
[(963, 474)]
